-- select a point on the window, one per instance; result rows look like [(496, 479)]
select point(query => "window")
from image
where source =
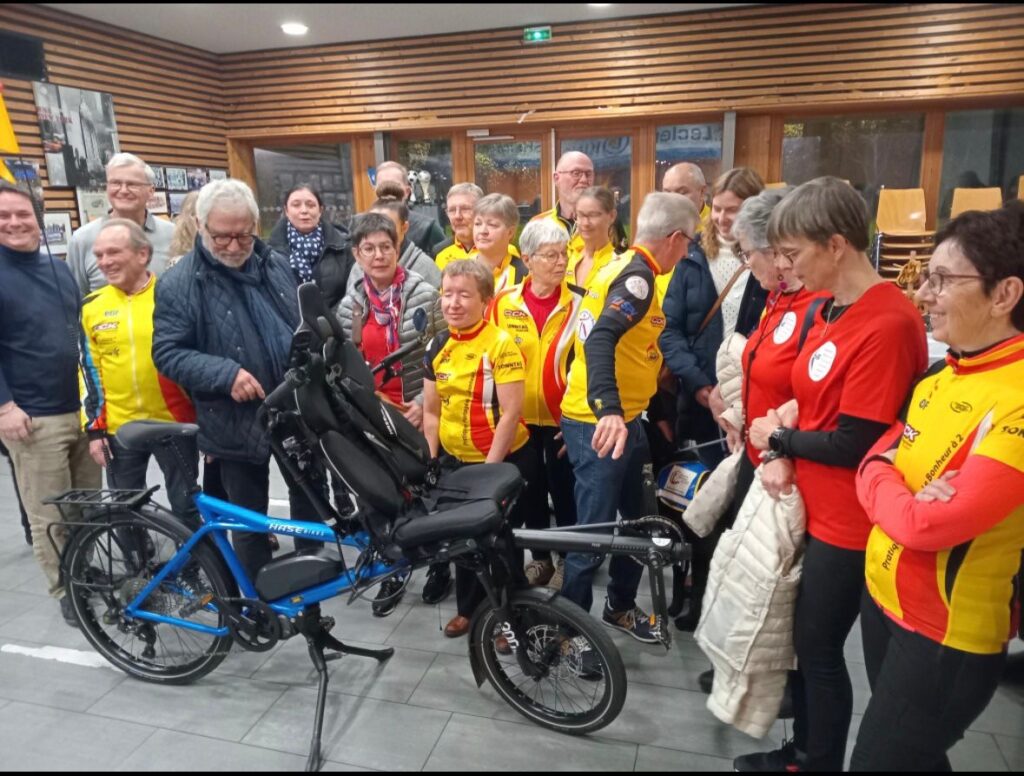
[(697, 143), (430, 174), (327, 168), (869, 152), (613, 168), (511, 168), (982, 149)]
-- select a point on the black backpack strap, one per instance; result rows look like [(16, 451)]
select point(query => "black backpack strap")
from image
[(805, 329)]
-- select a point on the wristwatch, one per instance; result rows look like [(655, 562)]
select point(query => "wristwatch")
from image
[(775, 440)]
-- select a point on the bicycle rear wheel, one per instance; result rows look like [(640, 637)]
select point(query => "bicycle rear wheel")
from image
[(582, 685), (106, 566)]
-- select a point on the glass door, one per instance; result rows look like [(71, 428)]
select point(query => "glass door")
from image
[(514, 165)]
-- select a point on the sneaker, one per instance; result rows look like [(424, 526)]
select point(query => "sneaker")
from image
[(555, 583), (67, 612), (635, 622), (783, 760), (539, 572), (706, 681), (438, 584), (388, 597)]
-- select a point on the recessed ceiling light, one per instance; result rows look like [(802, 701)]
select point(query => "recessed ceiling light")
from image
[(294, 28)]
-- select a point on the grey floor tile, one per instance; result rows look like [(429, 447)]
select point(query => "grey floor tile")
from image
[(653, 758), (357, 623), (422, 629), (240, 662), (678, 719), (360, 731), (54, 683), (449, 685), (36, 738), (474, 743), (1004, 716), (14, 604), (1012, 750), (393, 680), (215, 706), (168, 750), (44, 624), (18, 568)]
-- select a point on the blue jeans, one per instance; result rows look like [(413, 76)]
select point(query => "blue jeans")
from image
[(603, 487)]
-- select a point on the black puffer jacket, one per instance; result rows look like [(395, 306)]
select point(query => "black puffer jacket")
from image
[(204, 331), (330, 273)]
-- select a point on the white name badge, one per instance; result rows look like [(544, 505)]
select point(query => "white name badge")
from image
[(821, 362), (584, 325), (785, 328)]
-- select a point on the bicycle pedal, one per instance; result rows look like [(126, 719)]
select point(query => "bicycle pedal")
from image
[(329, 656), (327, 623)]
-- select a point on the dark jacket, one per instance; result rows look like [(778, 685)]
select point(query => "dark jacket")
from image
[(331, 272), (425, 231), (205, 328), (39, 308), (691, 294)]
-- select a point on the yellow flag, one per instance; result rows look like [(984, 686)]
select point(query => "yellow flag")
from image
[(8, 142), (6, 174)]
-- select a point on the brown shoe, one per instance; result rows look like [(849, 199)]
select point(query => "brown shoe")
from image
[(457, 626)]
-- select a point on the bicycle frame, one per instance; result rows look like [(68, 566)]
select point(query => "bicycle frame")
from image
[(218, 518)]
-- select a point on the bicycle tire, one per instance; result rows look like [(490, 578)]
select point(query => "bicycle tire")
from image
[(550, 621), (101, 579)]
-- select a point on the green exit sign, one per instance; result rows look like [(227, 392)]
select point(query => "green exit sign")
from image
[(536, 34)]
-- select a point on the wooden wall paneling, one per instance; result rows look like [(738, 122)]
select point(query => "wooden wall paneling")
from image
[(242, 161), (775, 136), (167, 97), (753, 143), (931, 163), (643, 170), (463, 158)]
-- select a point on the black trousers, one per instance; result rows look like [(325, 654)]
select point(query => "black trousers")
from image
[(704, 547), (248, 485), (553, 475), (827, 606), (468, 590), (923, 696), (126, 470)]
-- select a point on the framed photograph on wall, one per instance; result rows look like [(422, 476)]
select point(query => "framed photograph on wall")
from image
[(79, 133), (176, 178), (26, 173), (92, 204), (176, 200), (197, 177), (57, 230), (157, 204), (159, 178), (218, 175)]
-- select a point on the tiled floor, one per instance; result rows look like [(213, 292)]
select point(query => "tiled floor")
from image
[(420, 711)]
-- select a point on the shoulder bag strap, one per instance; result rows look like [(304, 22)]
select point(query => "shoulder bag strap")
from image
[(721, 298)]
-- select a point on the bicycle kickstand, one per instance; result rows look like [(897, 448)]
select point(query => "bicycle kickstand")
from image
[(317, 640)]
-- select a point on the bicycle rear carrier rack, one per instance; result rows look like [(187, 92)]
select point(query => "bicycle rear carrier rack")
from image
[(102, 498)]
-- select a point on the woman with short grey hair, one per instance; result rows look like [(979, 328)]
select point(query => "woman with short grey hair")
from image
[(494, 227), (864, 347)]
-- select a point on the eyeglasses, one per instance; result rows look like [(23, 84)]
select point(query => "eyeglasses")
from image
[(460, 210), (595, 216), (684, 234), (549, 257), (130, 185), (744, 256), (936, 281), (244, 240), (577, 174), (369, 250)]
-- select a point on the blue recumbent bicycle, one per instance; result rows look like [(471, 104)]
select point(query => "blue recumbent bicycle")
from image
[(165, 601)]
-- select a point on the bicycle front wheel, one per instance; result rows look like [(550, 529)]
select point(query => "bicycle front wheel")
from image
[(106, 566), (577, 681)]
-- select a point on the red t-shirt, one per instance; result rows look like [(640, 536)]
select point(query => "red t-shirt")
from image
[(539, 308), (374, 348), (862, 364), (768, 358)]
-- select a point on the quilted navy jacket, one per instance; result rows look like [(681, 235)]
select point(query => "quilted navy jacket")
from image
[(203, 332)]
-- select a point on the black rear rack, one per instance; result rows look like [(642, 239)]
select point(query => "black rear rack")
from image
[(103, 498)]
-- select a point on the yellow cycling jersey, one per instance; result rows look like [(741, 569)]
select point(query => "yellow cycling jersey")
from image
[(969, 418), (511, 272), (546, 352), (457, 251), (466, 368), (119, 380), (602, 259), (616, 360), (575, 240)]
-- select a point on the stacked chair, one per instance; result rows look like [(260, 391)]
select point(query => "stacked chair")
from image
[(975, 199), (903, 244)]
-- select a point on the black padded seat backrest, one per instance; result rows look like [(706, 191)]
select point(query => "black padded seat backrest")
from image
[(371, 481)]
